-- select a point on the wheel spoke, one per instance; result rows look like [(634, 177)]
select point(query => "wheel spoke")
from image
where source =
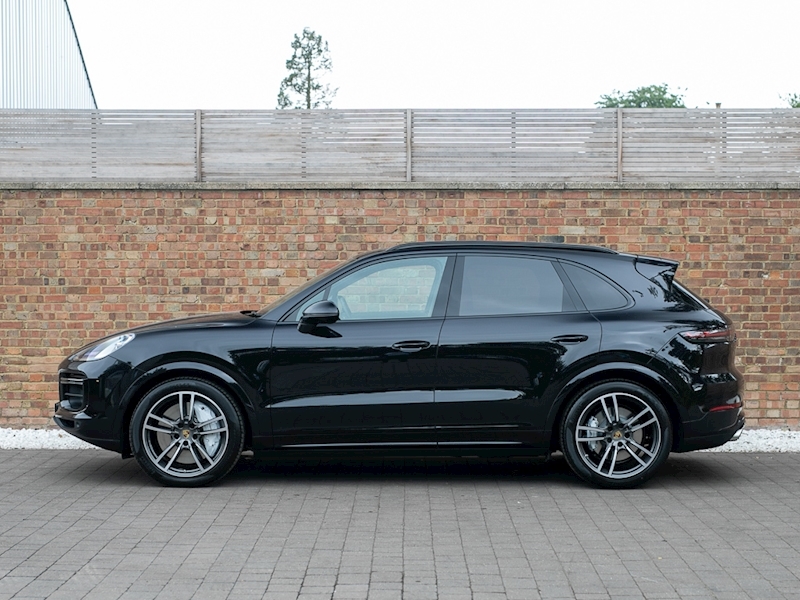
[(167, 449), (172, 460), (605, 409), (204, 453), (190, 412), (633, 420), (636, 456), (613, 461), (642, 448), (643, 425), (603, 460), (158, 429), (195, 457), (162, 420), (616, 408)]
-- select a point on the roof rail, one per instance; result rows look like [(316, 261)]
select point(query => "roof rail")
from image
[(466, 244)]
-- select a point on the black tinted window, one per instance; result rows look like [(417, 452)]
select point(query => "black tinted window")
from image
[(505, 285), (596, 292)]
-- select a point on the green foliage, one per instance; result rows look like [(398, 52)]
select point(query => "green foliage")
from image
[(651, 96), (792, 99), (310, 61)]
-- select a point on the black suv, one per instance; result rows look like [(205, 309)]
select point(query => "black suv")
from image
[(462, 348)]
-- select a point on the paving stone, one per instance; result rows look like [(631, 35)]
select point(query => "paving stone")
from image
[(83, 524)]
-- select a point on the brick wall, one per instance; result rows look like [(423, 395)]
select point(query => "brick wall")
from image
[(78, 264)]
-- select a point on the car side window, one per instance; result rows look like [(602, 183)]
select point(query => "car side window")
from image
[(509, 285), (596, 292), (397, 289)]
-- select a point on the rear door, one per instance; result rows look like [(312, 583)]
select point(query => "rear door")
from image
[(512, 327)]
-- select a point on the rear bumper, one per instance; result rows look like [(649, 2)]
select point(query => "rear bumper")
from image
[(707, 434)]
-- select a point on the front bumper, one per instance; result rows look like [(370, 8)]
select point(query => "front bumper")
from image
[(88, 404), (87, 428)]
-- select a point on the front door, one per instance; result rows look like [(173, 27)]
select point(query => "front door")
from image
[(367, 379)]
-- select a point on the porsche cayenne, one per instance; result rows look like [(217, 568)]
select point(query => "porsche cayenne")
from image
[(442, 348)]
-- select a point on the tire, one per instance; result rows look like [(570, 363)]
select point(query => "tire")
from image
[(186, 433), (616, 435)]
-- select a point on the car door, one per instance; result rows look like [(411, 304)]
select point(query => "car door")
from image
[(368, 378), (513, 326)]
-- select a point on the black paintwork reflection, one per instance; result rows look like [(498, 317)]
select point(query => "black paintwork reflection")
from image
[(324, 331), (353, 387), (495, 371), (709, 369)]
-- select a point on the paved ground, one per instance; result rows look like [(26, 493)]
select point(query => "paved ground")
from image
[(86, 524)]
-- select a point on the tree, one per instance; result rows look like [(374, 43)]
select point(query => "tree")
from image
[(792, 99), (651, 96), (303, 87)]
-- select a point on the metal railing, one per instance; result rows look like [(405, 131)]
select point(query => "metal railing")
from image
[(41, 63)]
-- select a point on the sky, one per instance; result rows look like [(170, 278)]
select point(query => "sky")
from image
[(231, 54)]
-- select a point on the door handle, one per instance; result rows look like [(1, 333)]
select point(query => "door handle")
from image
[(569, 339), (411, 346)]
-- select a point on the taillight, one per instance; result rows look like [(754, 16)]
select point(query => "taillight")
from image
[(710, 336)]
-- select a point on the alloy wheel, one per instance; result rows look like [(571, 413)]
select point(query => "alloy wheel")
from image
[(185, 434), (618, 435)]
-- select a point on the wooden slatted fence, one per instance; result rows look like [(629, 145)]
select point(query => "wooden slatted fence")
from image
[(700, 145), (501, 145), (81, 145), (590, 145)]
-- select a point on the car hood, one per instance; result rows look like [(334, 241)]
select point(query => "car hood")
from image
[(234, 319)]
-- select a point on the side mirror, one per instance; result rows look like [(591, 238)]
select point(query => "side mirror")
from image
[(317, 314)]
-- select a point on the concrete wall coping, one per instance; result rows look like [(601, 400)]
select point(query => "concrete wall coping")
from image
[(393, 185)]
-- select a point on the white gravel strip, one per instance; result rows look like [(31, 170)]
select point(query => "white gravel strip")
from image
[(752, 440), (763, 440), (40, 439)]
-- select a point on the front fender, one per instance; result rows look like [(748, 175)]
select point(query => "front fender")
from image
[(245, 395)]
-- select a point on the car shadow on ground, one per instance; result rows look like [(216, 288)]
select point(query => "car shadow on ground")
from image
[(383, 469), (679, 469), (692, 469)]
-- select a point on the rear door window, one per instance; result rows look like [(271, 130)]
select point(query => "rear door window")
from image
[(509, 285)]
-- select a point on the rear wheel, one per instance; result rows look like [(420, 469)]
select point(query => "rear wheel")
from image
[(616, 435), (186, 432)]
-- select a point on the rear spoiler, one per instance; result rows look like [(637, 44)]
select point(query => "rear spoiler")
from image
[(660, 271)]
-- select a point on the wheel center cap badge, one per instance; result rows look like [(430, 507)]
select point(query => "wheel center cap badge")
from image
[(617, 434), (186, 433)]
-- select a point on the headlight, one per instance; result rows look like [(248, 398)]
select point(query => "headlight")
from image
[(103, 349)]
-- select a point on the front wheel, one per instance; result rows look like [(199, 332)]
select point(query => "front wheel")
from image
[(616, 435), (186, 432)]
